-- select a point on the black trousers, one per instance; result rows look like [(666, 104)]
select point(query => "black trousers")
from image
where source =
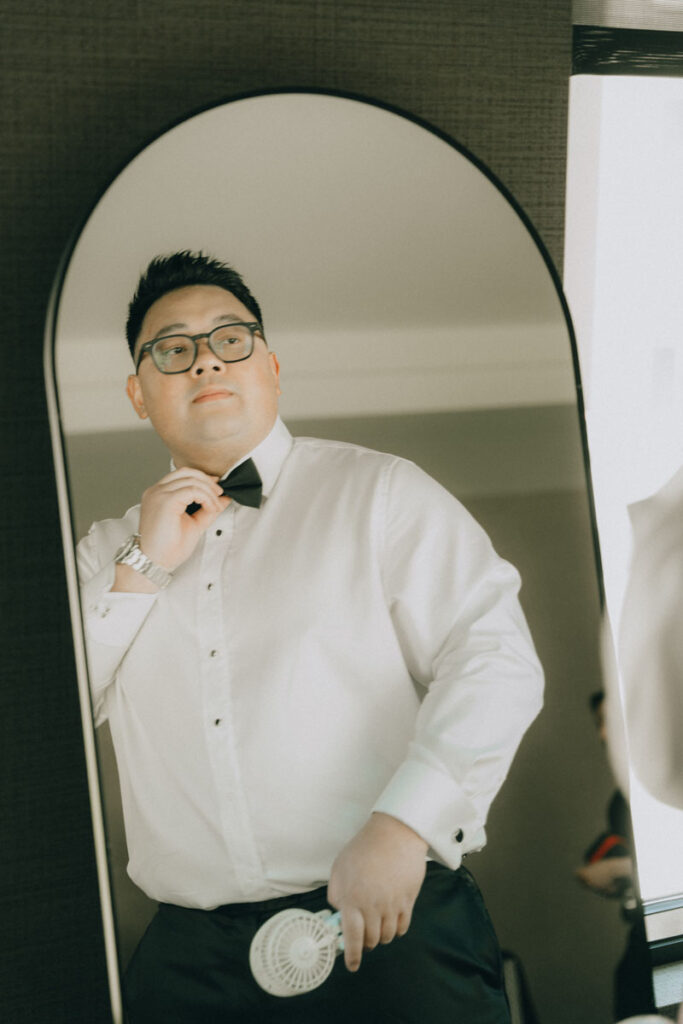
[(633, 993), (192, 967)]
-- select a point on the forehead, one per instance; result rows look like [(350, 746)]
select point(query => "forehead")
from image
[(191, 309)]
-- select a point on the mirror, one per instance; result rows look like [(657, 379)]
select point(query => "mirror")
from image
[(360, 230), (625, 136)]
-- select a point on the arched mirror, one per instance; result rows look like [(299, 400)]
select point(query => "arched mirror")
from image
[(413, 310)]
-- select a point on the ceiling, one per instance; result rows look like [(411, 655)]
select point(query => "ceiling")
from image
[(393, 274)]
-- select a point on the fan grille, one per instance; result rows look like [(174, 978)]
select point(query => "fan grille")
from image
[(294, 952)]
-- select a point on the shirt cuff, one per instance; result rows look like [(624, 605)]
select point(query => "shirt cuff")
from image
[(435, 807), (113, 619)]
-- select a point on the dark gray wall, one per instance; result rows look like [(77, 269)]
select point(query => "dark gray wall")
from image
[(84, 85)]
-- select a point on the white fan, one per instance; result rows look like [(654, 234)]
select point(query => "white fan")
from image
[(294, 951)]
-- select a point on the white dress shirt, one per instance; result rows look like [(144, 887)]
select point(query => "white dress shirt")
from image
[(651, 643), (353, 645)]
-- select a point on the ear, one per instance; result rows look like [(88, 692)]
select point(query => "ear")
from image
[(134, 392), (275, 369)]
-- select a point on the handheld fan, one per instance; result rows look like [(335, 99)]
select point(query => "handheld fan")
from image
[(294, 951)]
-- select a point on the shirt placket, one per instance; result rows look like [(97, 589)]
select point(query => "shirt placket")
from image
[(218, 682)]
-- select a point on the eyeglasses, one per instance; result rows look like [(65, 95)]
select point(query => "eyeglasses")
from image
[(177, 353)]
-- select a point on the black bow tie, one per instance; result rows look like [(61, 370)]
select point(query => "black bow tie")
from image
[(243, 485)]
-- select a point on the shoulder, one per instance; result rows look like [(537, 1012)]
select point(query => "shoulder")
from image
[(343, 460), (342, 452), (400, 484), (346, 456)]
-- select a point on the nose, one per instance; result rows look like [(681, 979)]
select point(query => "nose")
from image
[(206, 361)]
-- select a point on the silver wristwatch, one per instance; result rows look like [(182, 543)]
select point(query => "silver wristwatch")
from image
[(130, 554)]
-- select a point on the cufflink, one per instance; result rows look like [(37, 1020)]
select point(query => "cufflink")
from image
[(458, 836)]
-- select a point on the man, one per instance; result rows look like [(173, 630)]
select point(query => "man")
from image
[(650, 644), (310, 694)]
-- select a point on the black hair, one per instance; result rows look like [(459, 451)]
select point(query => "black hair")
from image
[(180, 269)]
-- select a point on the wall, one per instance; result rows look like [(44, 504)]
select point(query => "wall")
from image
[(84, 86)]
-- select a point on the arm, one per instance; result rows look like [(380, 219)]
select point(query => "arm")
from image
[(110, 620), (465, 640), (651, 645), (116, 599)]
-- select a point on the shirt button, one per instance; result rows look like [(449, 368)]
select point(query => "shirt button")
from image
[(214, 653), (217, 722), (218, 533), (209, 586), (458, 836)]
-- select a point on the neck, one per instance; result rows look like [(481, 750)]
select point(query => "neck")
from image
[(214, 463), (218, 459)]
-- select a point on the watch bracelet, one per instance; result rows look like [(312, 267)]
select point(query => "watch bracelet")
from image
[(139, 562)]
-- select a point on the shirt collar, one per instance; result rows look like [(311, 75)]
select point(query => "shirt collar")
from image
[(270, 455)]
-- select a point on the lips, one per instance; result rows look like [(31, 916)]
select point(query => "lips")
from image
[(212, 395)]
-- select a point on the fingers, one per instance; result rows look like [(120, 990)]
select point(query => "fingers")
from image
[(403, 922), (188, 477), (178, 491), (168, 535), (373, 932), (185, 472), (186, 487), (365, 931), (204, 514), (353, 931)]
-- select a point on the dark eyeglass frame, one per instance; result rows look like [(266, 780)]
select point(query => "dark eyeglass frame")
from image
[(253, 326)]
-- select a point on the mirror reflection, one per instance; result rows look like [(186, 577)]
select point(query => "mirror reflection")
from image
[(625, 130), (401, 305)]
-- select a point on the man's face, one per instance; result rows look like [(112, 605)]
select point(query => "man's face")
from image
[(214, 408)]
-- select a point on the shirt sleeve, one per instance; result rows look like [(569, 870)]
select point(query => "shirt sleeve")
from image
[(111, 621), (464, 637), (650, 644)]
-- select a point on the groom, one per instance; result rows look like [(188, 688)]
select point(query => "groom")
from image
[(316, 683)]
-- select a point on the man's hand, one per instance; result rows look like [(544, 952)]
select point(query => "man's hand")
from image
[(168, 535), (374, 883), (606, 876)]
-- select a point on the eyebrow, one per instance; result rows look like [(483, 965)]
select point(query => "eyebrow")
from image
[(224, 318)]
